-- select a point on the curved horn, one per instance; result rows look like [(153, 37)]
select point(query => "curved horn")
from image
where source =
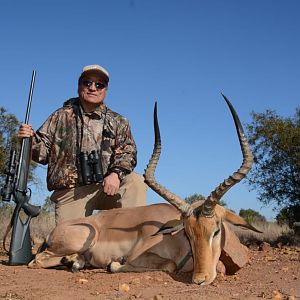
[(184, 207), (216, 195)]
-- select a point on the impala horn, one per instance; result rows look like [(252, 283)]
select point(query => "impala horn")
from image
[(207, 209), (150, 180)]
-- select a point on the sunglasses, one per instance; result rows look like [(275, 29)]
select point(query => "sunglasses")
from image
[(89, 83)]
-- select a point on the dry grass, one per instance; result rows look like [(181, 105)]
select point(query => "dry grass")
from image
[(42, 225), (272, 233), (39, 226)]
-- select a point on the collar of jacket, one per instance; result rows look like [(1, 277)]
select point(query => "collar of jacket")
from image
[(100, 110)]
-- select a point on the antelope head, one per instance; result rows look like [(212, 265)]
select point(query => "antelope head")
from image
[(202, 222)]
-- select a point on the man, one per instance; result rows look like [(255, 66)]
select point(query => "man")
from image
[(90, 152)]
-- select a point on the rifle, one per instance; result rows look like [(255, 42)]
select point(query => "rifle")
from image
[(15, 188)]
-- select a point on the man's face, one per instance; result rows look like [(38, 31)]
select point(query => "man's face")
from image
[(91, 91)]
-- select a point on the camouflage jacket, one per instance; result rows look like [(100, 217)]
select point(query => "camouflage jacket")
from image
[(69, 130)]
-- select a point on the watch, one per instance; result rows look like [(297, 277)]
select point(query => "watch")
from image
[(121, 172)]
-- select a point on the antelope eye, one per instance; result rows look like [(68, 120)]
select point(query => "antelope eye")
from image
[(216, 232)]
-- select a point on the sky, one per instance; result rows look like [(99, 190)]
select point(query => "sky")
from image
[(182, 54)]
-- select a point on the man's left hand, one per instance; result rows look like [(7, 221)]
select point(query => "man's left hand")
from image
[(111, 184)]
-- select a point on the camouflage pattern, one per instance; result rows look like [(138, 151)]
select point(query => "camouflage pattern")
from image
[(69, 130)]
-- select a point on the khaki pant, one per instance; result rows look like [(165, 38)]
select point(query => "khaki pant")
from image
[(81, 201)]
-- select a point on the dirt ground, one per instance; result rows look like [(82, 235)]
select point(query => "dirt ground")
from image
[(272, 273)]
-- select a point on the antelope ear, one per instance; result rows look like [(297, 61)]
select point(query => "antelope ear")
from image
[(238, 221), (171, 226)]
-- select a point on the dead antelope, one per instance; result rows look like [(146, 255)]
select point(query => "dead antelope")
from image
[(151, 238), (202, 224)]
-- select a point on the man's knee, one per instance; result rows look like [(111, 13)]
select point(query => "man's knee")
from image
[(134, 178), (133, 190)]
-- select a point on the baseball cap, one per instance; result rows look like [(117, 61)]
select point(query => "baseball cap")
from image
[(99, 70)]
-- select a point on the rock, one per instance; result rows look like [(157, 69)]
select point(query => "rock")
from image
[(262, 295), (270, 258), (264, 247), (234, 255), (82, 280), (277, 295), (221, 268), (124, 287)]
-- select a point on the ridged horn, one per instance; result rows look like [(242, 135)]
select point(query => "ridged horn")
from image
[(208, 206), (150, 180)]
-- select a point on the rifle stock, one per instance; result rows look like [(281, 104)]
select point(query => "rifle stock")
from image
[(20, 251)]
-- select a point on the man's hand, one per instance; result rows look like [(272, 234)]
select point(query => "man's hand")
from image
[(111, 184), (25, 131)]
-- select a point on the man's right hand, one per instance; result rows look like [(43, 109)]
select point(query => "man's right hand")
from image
[(25, 131)]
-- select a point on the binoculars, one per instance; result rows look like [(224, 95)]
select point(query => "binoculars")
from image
[(91, 167)]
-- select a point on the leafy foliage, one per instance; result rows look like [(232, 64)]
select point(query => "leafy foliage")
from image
[(276, 147), (252, 216), (288, 215), (9, 126), (196, 197)]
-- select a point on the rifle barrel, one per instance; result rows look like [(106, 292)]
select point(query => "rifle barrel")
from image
[(30, 97)]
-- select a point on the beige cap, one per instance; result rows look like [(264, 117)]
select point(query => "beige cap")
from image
[(96, 69)]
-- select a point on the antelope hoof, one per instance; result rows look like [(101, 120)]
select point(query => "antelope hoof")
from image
[(114, 267), (75, 267)]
